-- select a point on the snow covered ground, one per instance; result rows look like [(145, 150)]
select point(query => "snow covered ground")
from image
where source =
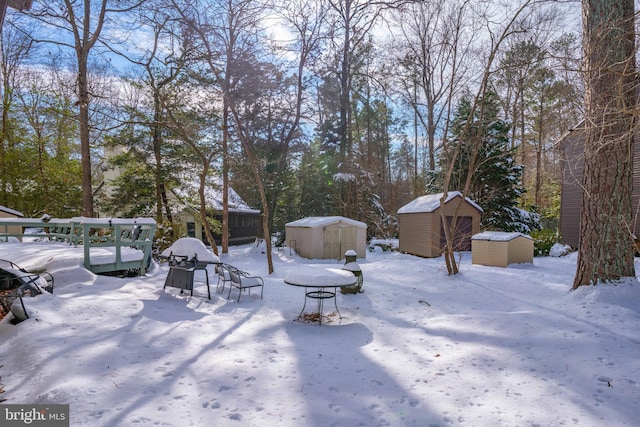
[(487, 347)]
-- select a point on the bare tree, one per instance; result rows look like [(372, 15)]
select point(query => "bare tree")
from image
[(83, 21), (15, 47), (305, 20), (353, 21), (162, 63), (228, 30), (514, 20), (187, 130), (605, 251), (436, 54)]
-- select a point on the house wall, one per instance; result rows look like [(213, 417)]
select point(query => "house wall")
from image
[(571, 199), (243, 227), (420, 232), (572, 146)]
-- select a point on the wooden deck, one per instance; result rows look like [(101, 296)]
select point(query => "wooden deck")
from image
[(129, 239)]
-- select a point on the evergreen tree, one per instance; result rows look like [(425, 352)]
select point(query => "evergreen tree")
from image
[(317, 189), (496, 178)]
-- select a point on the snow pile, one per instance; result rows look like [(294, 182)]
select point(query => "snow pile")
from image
[(190, 247), (558, 250)]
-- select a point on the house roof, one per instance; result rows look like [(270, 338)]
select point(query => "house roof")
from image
[(431, 202), (322, 221), (11, 211), (213, 196), (499, 236)]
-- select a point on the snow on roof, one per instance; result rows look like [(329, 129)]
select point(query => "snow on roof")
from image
[(431, 202), (11, 211), (213, 196), (498, 236), (321, 221)]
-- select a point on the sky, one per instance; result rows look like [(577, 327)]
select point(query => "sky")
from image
[(487, 347)]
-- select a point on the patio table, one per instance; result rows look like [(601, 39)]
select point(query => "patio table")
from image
[(320, 284)]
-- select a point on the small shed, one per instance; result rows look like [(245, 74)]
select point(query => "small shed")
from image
[(499, 249), (327, 237), (420, 224), (10, 213)]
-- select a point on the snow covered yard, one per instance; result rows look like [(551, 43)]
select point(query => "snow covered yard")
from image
[(488, 347)]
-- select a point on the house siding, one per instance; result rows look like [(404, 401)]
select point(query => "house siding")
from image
[(243, 227), (572, 148), (571, 200)]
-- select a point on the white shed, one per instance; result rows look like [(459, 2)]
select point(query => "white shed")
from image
[(327, 237)]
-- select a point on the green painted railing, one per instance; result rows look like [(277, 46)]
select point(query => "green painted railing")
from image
[(127, 241)]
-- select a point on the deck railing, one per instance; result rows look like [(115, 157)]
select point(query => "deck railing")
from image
[(133, 236)]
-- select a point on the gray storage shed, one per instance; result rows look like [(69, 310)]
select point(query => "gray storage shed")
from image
[(326, 237), (420, 224)]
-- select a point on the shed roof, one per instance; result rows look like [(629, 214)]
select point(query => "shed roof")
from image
[(322, 221), (431, 202), (11, 211), (499, 236)]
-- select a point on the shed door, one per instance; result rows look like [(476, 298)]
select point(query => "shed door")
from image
[(331, 243), (347, 240), (337, 240), (462, 233)]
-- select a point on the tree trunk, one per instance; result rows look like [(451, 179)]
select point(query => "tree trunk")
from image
[(246, 145), (85, 140), (539, 147), (4, 138), (157, 117), (225, 176), (605, 251), (203, 209)]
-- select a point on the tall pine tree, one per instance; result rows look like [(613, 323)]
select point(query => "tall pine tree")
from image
[(495, 178)]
